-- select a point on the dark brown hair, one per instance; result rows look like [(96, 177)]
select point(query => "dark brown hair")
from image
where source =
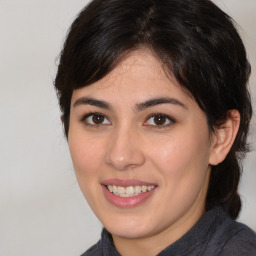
[(196, 42)]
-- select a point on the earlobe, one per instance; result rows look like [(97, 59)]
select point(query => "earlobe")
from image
[(224, 138)]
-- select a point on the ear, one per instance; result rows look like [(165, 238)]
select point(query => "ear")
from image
[(224, 137)]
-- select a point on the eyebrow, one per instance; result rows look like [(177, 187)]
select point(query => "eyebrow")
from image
[(158, 101), (91, 101), (139, 107)]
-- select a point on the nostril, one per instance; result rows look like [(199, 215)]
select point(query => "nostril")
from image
[(127, 161)]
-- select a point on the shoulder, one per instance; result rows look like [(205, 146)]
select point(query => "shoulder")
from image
[(240, 240), (227, 237), (104, 246), (94, 250), (232, 238)]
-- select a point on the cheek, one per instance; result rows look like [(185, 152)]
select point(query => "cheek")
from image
[(183, 167), (86, 155), (183, 155)]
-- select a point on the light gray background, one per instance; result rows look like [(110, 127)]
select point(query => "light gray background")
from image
[(42, 211)]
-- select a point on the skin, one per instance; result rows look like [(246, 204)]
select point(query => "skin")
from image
[(175, 155)]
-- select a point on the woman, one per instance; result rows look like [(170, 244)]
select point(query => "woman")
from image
[(156, 112)]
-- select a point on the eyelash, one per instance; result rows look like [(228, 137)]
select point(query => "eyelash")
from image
[(154, 115), (91, 114), (170, 119)]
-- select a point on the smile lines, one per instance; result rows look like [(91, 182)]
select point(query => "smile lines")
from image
[(129, 191)]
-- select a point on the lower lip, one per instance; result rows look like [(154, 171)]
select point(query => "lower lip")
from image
[(126, 202)]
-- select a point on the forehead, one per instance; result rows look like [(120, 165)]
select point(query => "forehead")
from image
[(138, 77)]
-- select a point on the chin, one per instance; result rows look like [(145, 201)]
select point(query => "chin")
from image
[(129, 233), (129, 228)]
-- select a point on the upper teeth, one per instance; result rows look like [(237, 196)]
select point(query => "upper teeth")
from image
[(129, 191)]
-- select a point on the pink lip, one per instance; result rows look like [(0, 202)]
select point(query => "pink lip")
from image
[(126, 202)]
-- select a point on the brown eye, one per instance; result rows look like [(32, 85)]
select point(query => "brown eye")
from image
[(159, 120), (96, 119)]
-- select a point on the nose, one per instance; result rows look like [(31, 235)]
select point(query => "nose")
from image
[(125, 150)]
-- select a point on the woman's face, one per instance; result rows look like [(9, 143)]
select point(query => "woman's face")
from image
[(141, 150)]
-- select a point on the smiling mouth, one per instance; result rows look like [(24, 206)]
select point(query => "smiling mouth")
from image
[(129, 191)]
